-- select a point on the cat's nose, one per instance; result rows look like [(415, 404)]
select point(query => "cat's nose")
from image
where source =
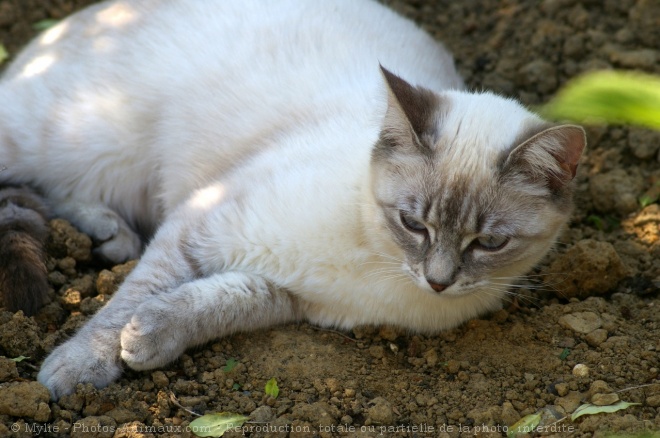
[(437, 286)]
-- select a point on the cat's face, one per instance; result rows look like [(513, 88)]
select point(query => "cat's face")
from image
[(471, 200)]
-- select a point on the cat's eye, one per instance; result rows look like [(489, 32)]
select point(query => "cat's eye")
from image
[(492, 242), (412, 224)]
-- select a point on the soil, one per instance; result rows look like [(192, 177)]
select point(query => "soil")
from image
[(585, 326)]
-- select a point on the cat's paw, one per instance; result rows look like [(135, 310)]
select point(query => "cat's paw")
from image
[(151, 339), (78, 362), (122, 246), (117, 241)]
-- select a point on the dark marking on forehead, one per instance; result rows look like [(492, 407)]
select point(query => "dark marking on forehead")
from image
[(457, 201)]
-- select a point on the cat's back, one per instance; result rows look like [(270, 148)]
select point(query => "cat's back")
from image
[(187, 88)]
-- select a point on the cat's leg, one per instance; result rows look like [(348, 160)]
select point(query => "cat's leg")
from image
[(118, 242), (92, 354), (201, 310)]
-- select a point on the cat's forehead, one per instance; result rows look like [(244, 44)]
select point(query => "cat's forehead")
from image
[(478, 126)]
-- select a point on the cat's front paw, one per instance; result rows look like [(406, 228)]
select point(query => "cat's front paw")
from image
[(122, 246), (151, 339), (78, 362), (117, 241)]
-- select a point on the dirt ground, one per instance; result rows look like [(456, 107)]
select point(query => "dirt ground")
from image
[(585, 326)]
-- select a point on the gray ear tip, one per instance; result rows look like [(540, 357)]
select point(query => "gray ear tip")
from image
[(387, 74)]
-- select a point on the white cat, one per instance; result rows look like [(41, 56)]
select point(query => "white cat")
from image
[(287, 176)]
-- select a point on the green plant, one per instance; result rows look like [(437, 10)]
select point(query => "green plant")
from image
[(609, 97)]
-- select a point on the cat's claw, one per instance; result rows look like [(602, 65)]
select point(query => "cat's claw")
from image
[(150, 339), (74, 362)]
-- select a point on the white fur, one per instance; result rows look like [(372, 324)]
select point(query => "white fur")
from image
[(246, 129)]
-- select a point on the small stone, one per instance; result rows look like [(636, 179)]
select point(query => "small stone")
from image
[(377, 351), (604, 399), (389, 333), (581, 322), (263, 414), (599, 387), (509, 414), (380, 413), (106, 283), (431, 357), (581, 370), (24, 399), (644, 143), (318, 413), (588, 268), (71, 299), (8, 370), (616, 191), (160, 379), (570, 402), (453, 366), (641, 58), (562, 389), (596, 337)]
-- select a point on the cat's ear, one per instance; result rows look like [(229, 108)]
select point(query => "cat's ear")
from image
[(411, 112), (551, 155)]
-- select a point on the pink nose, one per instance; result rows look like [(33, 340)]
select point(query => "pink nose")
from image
[(438, 287)]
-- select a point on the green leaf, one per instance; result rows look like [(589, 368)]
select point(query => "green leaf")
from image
[(236, 386), (646, 200), (20, 358), (610, 97), (564, 354), (230, 365), (217, 424), (589, 409), (525, 425), (597, 221), (44, 24), (3, 53), (272, 389)]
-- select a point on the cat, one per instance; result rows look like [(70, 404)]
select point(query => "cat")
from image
[(23, 233), (289, 160)]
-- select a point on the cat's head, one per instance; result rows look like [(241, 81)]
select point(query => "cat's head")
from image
[(472, 188)]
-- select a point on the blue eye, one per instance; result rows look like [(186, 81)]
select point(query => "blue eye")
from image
[(412, 224), (492, 242)]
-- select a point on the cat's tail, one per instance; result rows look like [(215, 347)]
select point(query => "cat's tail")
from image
[(23, 233)]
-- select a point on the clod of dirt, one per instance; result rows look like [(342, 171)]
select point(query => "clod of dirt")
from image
[(380, 413), (645, 225), (65, 241), (588, 268), (19, 336), (8, 370), (25, 399), (616, 191), (643, 143), (581, 322)]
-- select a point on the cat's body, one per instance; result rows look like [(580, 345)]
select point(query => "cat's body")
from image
[(288, 176)]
